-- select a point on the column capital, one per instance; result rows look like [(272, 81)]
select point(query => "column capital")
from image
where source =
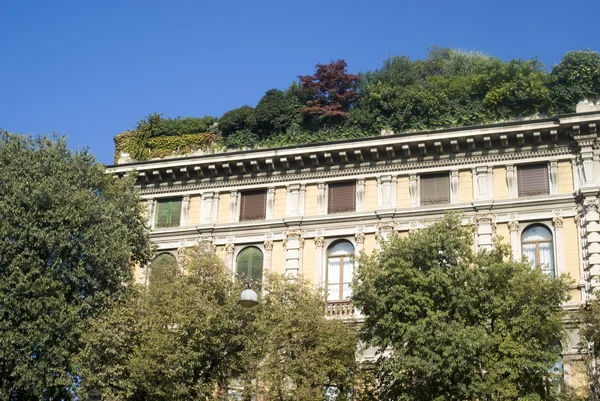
[(513, 225), (557, 221), (229, 248), (268, 245), (319, 241), (360, 238)]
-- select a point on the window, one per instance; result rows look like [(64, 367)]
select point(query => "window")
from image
[(532, 180), (342, 197), (162, 268), (254, 205), (249, 264), (340, 269), (168, 213), (435, 189), (538, 248)]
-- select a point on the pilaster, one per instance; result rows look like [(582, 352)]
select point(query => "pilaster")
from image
[(270, 204), (486, 228), (185, 208), (233, 207), (454, 198), (511, 181), (360, 195), (319, 257), (413, 190), (321, 198), (150, 210), (268, 244), (386, 194), (229, 249), (293, 249), (557, 221), (515, 243)]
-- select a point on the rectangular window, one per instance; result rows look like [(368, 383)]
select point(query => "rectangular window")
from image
[(342, 197), (253, 205), (435, 189), (168, 213), (533, 180)]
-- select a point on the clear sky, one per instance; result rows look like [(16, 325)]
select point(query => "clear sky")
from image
[(91, 69)]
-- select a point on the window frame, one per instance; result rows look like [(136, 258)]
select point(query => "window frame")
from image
[(242, 249), (158, 202), (352, 256), (552, 241)]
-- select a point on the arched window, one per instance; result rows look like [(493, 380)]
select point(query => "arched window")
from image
[(164, 266), (538, 247), (250, 264), (340, 269)]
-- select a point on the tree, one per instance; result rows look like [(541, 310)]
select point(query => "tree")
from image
[(452, 325), (575, 78), (332, 90), (69, 235), (589, 346), (239, 119), (306, 356), (275, 112), (185, 337)]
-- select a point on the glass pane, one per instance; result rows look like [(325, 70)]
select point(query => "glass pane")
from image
[(250, 264), (333, 271), (537, 233), (348, 274), (341, 248), (333, 292), (547, 258), (529, 253)]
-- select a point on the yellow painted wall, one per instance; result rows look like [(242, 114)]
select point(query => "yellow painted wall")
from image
[(370, 243), (502, 230), (278, 258), (403, 192), (500, 184), (565, 177), (465, 186), (311, 206), (309, 255), (279, 206), (194, 210), (571, 247), (370, 194), (223, 211)]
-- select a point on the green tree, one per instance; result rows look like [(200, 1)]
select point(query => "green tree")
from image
[(185, 337), (275, 112), (239, 119), (575, 78), (452, 325), (69, 235), (589, 346)]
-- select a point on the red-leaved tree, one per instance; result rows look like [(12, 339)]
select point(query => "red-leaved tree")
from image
[(331, 91)]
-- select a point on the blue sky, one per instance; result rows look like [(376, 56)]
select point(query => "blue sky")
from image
[(91, 69)]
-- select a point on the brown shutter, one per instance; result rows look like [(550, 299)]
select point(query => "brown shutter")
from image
[(533, 179), (254, 205), (435, 189), (342, 197)]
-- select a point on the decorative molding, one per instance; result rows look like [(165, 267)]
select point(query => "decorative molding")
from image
[(413, 188), (511, 180), (270, 203), (321, 198), (557, 221), (360, 195), (319, 241), (268, 244), (454, 198), (513, 225), (229, 248), (553, 176), (397, 165), (359, 238)]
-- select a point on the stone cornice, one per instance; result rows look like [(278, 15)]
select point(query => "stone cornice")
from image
[(400, 166), (398, 152)]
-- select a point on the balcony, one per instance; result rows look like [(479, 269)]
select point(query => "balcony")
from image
[(341, 310)]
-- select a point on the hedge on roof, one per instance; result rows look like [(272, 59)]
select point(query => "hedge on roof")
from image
[(449, 88)]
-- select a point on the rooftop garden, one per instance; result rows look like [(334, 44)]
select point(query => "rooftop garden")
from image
[(449, 88)]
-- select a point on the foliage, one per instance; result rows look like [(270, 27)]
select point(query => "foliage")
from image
[(461, 326), (589, 346), (185, 337), (577, 77), (69, 235), (275, 112), (158, 126), (239, 119), (306, 355), (448, 88), (332, 91)]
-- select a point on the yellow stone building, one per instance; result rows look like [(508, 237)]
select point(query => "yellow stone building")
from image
[(307, 209)]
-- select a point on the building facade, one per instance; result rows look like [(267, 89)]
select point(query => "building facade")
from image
[(306, 210)]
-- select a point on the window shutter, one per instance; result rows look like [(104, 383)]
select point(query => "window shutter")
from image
[(175, 220), (250, 264), (162, 213), (533, 180), (254, 205), (342, 197), (435, 189)]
